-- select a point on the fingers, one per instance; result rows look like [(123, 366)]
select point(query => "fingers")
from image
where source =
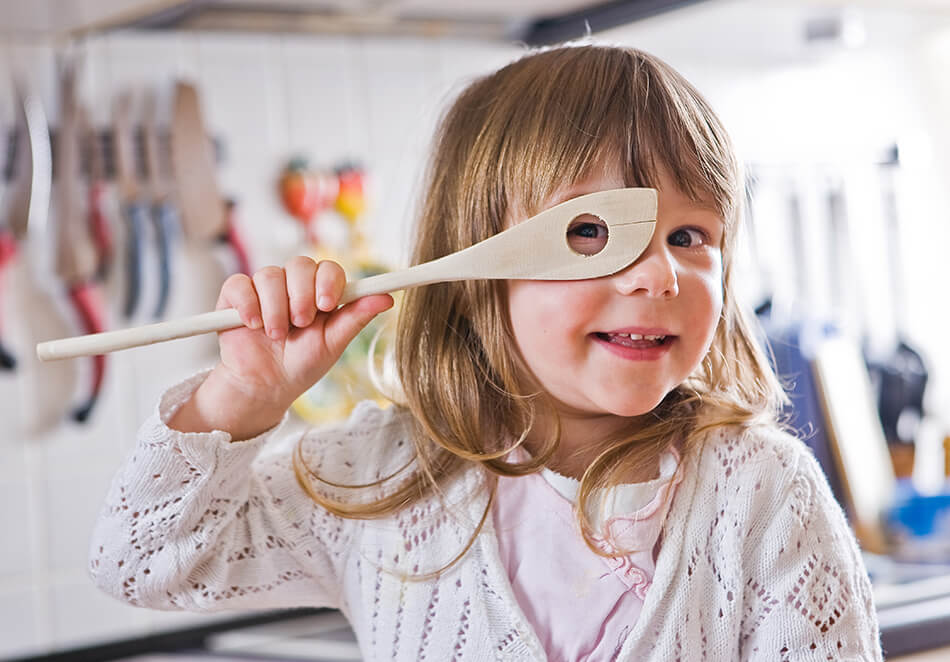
[(271, 286), (349, 320), (301, 278), (276, 298), (330, 283), (238, 292)]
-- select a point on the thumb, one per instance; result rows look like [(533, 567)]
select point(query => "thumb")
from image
[(345, 323)]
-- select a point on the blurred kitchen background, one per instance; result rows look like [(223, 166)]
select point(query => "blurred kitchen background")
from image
[(149, 148)]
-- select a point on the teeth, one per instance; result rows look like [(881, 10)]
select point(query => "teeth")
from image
[(637, 336)]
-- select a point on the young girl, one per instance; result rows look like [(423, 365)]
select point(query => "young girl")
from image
[(576, 470)]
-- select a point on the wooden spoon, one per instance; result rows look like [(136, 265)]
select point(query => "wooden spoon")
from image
[(535, 249)]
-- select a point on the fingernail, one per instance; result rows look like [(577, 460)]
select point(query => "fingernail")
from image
[(256, 322), (275, 334), (325, 303)]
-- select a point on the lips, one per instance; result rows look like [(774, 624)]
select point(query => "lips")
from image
[(639, 343)]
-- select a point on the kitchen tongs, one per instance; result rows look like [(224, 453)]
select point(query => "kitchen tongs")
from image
[(535, 249)]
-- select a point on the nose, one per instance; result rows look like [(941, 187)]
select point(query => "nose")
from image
[(653, 274)]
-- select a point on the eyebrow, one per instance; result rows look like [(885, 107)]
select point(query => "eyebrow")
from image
[(705, 210)]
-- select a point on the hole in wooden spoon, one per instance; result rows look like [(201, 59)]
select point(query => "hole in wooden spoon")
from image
[(587, 234)]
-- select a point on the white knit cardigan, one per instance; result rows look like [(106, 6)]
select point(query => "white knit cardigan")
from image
[(757, 562)]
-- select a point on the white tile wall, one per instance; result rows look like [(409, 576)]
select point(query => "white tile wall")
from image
[(267, 99), (18, 623), (17, 526)]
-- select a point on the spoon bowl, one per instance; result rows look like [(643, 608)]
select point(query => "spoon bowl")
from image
[(538, 248)]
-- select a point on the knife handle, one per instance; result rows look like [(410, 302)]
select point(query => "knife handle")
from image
[(235, 238), (7, 252), (88, 303), (164, 219), (136, 215), (100, 230)]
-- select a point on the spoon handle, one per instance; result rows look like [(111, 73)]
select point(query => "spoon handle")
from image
[(440, 270), (112, 341), (219, 320)]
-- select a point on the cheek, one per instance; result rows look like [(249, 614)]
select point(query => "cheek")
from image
[(540, 309), (712, 287)]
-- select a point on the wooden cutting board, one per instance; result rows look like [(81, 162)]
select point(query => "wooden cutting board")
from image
[(193, 168)]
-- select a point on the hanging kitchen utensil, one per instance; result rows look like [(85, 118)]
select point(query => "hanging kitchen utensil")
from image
[(16, 210), (76, 259), (205, 214), (904, 374), (235, 239), (164, 215), (99, 226), (202, 207), (134, 206), (46, 394), (539, 248), (7, 254)]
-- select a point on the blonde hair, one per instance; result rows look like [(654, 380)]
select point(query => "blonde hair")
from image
[(508, 142)]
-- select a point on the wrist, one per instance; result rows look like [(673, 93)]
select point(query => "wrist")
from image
[(221, 404)]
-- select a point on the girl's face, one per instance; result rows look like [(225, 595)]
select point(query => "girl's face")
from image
[(610, 348)]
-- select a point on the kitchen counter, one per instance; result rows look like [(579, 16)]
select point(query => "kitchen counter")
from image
[(913, 610)]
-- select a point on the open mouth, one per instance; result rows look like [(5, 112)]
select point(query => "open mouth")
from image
[(635, 340)]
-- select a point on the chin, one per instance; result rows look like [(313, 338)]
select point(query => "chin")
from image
[(634, 408)]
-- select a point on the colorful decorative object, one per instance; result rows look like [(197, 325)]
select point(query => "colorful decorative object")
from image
[(351, 199), (305, 192)]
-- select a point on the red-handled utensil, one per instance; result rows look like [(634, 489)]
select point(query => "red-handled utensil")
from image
[(99, 227), (7, 254), (76, 256)]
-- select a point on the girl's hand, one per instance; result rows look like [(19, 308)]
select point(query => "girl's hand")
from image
[(293, 333)]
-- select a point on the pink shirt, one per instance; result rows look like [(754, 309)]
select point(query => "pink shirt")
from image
[(581, 605)]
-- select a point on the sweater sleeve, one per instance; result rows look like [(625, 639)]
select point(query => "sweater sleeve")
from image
[(193, 521), (813, 595)]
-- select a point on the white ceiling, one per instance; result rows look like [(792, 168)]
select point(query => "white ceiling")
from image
[(31, 18), (748, 25)]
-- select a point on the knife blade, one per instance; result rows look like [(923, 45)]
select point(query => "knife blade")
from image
[(134, 208), (163, 212)]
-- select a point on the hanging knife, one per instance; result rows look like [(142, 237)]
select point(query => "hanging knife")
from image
[(98, 222), (7, 241), (7, 255), (76, 260), (27, 188), (164, 215), (134, 208), (13, 229)]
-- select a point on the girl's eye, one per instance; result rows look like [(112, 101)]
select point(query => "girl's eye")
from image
[(687, 238), (587, 235)]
